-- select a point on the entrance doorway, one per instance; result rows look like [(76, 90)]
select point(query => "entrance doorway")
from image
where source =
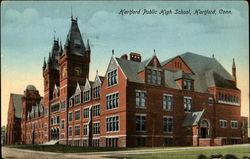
[(204, 129)]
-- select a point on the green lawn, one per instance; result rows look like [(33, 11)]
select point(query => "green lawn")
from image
[(77, 149), (239, 152)]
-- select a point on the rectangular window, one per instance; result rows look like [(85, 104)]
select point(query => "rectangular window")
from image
[(85, 129), (234, 124), (96, 128), (71, 102), (187, 84), (70, 116), (140, 98), (86, 113), (223, 123), (45, 127), (70, 131), (141, 122), (154, 77), (187, 104), (210, 101), (112, 124), (112, 101), (77, 130), (168, 124), (55, 107), (141, 141), (62, 124), (167, 102), (77, 99), (96, 110), (77, 115), (97, 92), (63, 105), (169, 141), (112, 78), (86, 95)]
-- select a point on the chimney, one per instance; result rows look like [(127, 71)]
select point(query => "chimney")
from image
[(124, 56), (135, 57)]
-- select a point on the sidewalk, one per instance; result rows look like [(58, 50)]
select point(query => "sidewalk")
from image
[(29, 154)]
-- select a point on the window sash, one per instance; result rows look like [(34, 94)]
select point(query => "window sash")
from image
[(112, 101), (77, 115), (112, 124), (168, 124), (167, 102)]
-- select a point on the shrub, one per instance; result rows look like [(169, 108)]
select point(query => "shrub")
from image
[(230, 156), (216, 156), (201, 156)]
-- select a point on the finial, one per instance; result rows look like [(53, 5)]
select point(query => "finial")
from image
[(88, 47), (54, 35), (96, 72), (71, 13), (234, 63), (44, 63), (113, 52), (154, 53), (213, 55)]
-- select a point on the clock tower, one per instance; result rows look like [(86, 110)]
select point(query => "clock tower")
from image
[(73, 66)]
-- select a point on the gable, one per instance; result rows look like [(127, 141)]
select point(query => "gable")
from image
[(154, 62), (97, 81), (112, 66), (177, 64), (78, 89), (87, 85)]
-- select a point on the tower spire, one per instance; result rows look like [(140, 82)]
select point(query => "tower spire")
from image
[(71, 12), (234, 72), (54, 35), (233, 64), (44, 63), (88, 46)]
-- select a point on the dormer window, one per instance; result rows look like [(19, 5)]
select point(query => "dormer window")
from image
[(154, 76), (112, 78), (86, 95), (77, 99), (97, 92), (77, 43), (187, 84)]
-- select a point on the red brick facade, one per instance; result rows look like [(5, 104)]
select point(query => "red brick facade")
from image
[(177, 102)]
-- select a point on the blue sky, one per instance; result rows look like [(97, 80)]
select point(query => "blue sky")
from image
[(28, 27)]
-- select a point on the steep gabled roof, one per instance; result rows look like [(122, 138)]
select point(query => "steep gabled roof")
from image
[(130, 69), (144, 63), (17, 102), (200, 64), (74, 38)]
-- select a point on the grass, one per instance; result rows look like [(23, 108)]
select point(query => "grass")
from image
[(77, 149), (239, 152)]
